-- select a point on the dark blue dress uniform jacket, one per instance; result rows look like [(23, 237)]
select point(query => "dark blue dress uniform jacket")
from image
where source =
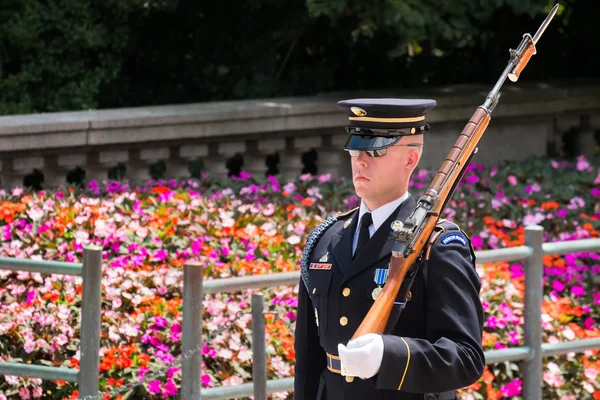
[(434, 347)]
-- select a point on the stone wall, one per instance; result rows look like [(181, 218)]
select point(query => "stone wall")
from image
[(531, 119)]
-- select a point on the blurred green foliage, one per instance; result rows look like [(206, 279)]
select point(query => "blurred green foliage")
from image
[(60, 55)]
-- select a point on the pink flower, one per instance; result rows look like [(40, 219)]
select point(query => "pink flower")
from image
[(595, 192), (289, 188), (275, 186), (582, 163), (558, 286), (61, 340), (170, 388), (552, 379), (37, 392), (589, 323), (512, 180), (591, 374), (496, 204), (472, 178), (578, 291), (477, 241), (269, 210), (324, 178), (24, 393), (512, 388), (207, 380), (154, 387), (29, 346)]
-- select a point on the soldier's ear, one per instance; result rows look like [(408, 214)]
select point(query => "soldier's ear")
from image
[(412, 160)]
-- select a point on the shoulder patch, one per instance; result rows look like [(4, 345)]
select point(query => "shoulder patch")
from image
[(310, 243), (454, 237), (346, 213), (448, 228)]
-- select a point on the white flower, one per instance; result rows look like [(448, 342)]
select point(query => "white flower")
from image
[(245, 355), (35, 214), (225, 353), (142, 232), (81, 236), (591, 374), (568, 333)]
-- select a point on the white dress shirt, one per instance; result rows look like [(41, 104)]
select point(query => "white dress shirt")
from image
[(380, 215)]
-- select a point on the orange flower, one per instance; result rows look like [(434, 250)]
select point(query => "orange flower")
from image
[(489, 339), (160, 189), (488, 377), (590, 228), (144, 359), (561, 308), (549, 205), (488, 220), (491, 393)]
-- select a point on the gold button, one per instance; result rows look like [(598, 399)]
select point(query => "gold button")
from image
[(409, 296), (346, 292), (314, 290), (349, 379), (343, 321)]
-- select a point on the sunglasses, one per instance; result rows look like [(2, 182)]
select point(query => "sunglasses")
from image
[(380, 152)]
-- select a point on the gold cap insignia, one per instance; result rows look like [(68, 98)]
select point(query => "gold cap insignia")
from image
[(359, 112), (324, 258)]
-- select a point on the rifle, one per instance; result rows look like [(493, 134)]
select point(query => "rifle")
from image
[(412, 235)]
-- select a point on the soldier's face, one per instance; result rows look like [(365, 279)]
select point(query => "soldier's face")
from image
[(379, 180)]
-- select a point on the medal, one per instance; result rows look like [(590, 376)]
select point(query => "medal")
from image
[(381, 275), (317, 317), (376, 292)]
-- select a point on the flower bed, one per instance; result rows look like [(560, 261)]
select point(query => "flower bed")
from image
[(253, 225)]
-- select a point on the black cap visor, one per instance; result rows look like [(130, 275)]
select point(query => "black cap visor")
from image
[(358, 142)]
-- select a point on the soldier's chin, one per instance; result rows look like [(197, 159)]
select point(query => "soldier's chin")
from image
[(361, 188)]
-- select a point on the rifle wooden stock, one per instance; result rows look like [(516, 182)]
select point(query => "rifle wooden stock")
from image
[(377, 317), (451, 170), (442, 187)]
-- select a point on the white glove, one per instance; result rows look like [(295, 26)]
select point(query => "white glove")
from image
[(363, 355)]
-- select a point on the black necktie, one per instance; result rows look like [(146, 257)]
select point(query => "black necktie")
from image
[(363, 235)]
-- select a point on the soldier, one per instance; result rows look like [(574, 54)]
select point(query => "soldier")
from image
[(431, 348)]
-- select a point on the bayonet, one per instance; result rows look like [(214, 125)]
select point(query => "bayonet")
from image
[(517, 62)]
